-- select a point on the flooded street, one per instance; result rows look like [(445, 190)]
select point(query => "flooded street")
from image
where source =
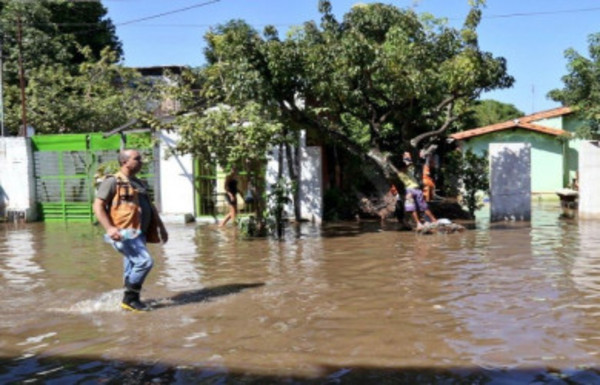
[(346, 303)]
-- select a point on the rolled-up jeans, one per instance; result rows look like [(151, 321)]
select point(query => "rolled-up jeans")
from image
[(137, 261)]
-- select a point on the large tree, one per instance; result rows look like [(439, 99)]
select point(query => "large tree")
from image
[(96, 96), (252, 78), (375, 83), (384, 78), (58, 34), (50, 32), (582, 86)]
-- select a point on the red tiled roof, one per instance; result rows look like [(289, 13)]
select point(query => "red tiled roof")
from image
[(547, 114), (524, 122)]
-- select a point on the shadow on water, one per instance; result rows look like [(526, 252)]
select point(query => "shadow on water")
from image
[(202, 295), (432, 310), (60, 370), (353, 229)]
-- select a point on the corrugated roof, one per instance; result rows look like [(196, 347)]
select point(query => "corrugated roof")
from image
[(524, 122)]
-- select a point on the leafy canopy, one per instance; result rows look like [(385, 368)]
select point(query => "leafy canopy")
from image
[(487, 112), (582, 85), (98, 96), (384, 77), (375, 82), (55, 43), (53, 31)]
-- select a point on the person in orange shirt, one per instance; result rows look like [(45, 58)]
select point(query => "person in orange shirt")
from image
[(428, 182)]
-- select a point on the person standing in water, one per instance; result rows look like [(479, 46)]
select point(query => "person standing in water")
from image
[(414, 202), (124, 209), (231, 191)]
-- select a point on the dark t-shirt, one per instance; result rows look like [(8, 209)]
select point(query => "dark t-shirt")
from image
[(232, 186), (108, 188)]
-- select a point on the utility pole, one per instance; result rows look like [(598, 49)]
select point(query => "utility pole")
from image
[(23, 131), (2, 85)]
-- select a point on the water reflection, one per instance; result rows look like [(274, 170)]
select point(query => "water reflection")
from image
[(182, 267), (18, 264), (345, 303), (586, 265)]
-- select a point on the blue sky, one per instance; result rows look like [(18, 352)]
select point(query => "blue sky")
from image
[(531, 34)]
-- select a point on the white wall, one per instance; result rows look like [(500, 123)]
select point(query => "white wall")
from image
[(311, 184), (17, 194), (510, 181), (589, 182), (176, 181), (311, 181)]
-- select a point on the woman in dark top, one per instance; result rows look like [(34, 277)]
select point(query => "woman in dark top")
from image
[(231, 190)]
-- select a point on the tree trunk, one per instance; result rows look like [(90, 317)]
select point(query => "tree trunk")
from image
[(293, 163)]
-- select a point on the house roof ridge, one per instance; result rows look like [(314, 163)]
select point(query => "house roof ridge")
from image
[(551, 113), (545, 129), (523, 122)]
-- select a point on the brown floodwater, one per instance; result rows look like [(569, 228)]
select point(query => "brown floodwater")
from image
[(350, 302)]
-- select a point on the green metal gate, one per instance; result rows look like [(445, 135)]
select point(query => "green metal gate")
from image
[(65, 170), (205, 188)]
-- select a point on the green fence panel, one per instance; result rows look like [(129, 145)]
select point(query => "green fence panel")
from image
[(66, 172), (65, 142), (97, 141)]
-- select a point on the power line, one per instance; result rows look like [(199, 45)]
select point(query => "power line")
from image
[(179, 25), (129, 22), (540, 13), (167, 13)]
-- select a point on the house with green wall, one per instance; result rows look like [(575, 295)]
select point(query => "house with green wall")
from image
[(554, 149)]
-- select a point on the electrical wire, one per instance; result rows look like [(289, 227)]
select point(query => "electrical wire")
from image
[(167, 13), (541, 13), (206, 3)]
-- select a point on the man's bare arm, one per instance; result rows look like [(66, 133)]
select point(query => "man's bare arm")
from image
[(99, 207)]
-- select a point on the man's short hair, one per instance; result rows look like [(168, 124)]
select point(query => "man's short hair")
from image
[(123, 156)]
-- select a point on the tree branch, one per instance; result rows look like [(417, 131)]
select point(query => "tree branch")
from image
[(449, 120)]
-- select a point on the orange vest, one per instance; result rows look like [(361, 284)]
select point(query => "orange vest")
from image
[(126, 212)]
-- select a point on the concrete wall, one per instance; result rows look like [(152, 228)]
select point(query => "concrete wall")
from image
[(546, 156), (311, 184), (176, 182), (589, 183), (17, 190), (510, 181), (177, 195), (311, 181)]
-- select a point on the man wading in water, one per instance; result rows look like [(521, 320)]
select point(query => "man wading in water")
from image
[(123, 208)]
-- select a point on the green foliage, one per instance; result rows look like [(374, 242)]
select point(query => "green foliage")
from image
[(53, 32), (105, 169), (228, 134), (487, 112), (384, 76), (339, 204), (369, 83), (140, 141), (582, 86), (278, 198), (251, 227), (58, 41), (98, 96), (87, 23), (466, 174), (41, 41), (108, 168)]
